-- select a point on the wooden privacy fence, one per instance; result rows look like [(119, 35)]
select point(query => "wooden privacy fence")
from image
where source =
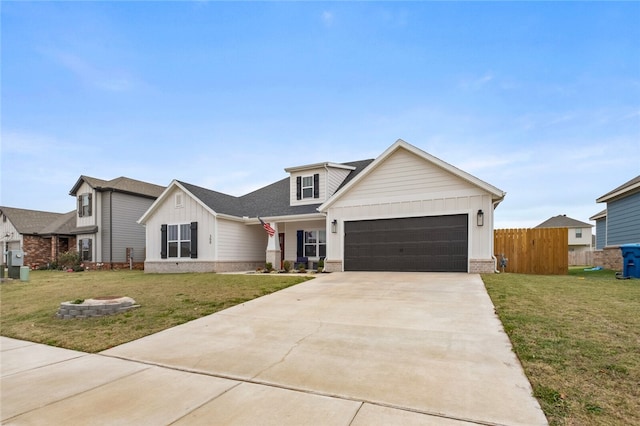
[(580, 258), (542, 251)]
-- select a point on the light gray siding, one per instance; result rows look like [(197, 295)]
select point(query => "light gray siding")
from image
[(120, 229), (601, 233), (105, 229), (623, 220)]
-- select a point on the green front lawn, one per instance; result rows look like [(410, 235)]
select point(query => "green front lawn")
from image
[(28, 308), (578, 338)]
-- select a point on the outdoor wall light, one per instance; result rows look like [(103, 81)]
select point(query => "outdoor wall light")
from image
[(334, 226), (480, 218)]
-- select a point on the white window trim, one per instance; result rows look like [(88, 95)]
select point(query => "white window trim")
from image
[(178, 241), (317, 244), (308, 187)]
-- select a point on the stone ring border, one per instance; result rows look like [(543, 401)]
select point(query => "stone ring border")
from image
[(97, 307)]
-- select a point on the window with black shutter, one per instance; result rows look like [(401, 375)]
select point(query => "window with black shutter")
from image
[(163, 241), (194, 240), (85, 205)]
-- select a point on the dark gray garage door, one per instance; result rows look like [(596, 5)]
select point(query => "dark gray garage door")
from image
[(416, 244)]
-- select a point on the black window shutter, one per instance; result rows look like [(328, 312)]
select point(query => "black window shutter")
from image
[(316, 186), (90, 251), (80, 206), (90, 204), (80, 248), (163, 241), (194, 240), (300, 245), (298, 188)]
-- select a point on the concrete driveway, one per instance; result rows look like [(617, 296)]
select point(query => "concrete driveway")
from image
[(343, 349)]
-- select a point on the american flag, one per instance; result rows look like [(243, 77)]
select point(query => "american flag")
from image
[(267, 228)]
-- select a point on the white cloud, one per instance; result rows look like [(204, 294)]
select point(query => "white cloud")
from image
[(108, 79), (476, 83), (327, 18)]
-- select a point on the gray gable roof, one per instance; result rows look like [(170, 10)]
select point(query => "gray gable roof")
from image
[(120, 184), (271, 200), (32, 222), (562, 221)]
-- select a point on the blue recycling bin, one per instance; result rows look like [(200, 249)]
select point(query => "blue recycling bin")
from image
[(630, 260)]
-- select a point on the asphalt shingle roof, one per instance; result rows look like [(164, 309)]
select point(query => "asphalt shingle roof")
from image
[(562, 221), (39, 222), (271, 200), (122, 184)]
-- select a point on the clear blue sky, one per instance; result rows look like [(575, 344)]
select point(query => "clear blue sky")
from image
[(541, 99)]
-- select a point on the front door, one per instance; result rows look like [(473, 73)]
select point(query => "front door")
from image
[(281, 239)]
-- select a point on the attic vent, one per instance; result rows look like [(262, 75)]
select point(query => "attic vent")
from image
[(179, 200)]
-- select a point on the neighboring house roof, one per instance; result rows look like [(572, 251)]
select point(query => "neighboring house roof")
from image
[(600, 215), (31, 222), (120, 184), (65, 224), (562, 221), (497, 194), (625, 189), (270, 201)]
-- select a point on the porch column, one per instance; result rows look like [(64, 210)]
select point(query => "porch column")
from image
[(273, 248)]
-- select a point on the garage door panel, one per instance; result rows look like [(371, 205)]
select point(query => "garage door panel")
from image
[(429, 244)]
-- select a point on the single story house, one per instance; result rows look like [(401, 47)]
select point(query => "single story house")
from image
[(106, 215), (42, 236), (406, 210), (618, 224)]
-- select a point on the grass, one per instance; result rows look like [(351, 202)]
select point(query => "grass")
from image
[(578, 339), (27, 309)]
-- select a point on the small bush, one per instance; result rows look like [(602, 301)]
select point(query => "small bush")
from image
[(69, 260), (268, 267), (287, 266)]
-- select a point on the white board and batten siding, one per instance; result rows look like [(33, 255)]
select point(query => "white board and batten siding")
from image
[(220, 239), (172, 213), (96, 208), (405, 185), (12, 238)]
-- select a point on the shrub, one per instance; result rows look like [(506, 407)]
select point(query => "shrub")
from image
[(268, 267), (69, 260), (287, 266)]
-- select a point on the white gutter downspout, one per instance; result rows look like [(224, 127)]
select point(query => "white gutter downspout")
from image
[(495, 260)]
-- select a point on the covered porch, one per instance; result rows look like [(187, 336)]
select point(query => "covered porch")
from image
[(299, 241)]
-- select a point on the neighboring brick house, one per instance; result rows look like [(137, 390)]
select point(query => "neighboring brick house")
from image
[(42, 236), (106, 227), (618, 224)]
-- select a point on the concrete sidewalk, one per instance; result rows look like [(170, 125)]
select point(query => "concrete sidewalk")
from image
[(343, 349)]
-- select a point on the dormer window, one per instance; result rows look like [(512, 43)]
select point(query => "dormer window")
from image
[(308, 187)]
